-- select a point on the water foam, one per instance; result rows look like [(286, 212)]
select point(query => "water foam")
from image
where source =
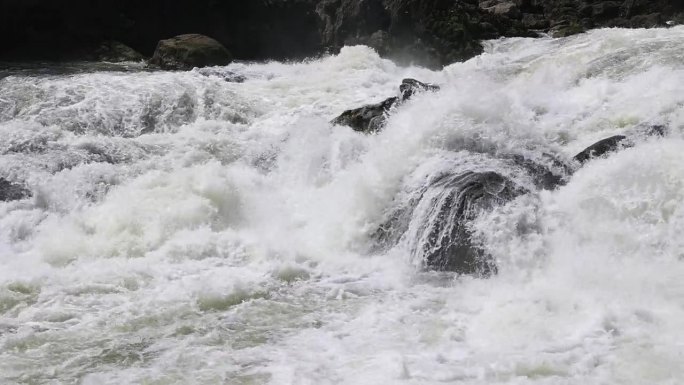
[(186, 229)]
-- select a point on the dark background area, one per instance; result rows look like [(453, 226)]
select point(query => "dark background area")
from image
[(425, 32), (250, 29)]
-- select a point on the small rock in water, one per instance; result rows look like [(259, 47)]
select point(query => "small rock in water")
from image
[(12, 192), (602, 147), (185, 52), (617, 142), (371, 118), (367, 119), (410, 87)]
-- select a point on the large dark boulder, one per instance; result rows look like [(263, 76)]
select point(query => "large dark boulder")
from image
[(435, 221), (11, 192), (454, 201), (185, 52)]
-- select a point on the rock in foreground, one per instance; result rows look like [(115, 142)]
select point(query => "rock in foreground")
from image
[(185, 52)]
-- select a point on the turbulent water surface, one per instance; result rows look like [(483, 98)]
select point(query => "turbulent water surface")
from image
[(186, 229)]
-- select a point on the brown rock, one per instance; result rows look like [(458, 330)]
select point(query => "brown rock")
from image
[(185, 52)]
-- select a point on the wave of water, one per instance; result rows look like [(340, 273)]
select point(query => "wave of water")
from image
[(185, 229)]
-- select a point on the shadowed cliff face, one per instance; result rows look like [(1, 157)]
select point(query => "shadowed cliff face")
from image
[(425, 32), (250, 29)]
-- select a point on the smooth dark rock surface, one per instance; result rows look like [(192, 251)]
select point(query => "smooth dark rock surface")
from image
[(188, 51)]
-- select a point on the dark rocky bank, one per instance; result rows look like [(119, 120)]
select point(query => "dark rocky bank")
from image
[(427, 32)]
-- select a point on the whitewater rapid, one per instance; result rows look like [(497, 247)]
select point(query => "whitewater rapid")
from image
[(186, 229)]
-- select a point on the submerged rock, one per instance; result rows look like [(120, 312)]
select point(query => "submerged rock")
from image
[(229, 76), (185, 52), (11, 192), (371, 118)]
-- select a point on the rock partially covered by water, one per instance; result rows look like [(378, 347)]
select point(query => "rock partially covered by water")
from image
[(11, 192), (617, 142), (601, 147), (185, 52), (434, 221), (410, 87), (371, 118), (451, 203), (367, 119)]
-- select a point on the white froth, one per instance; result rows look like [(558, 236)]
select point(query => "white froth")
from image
[(188, 230)]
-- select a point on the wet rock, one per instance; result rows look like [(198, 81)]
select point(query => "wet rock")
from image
[(602, 147), (410, 87), (617, 142), (185, 52), (367, 119), (115, 52), (435, 222), (371, 118), (11, 192), (656, 130), (547, 174), (456, 200)]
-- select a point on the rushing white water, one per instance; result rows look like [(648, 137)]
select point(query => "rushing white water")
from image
[(188, 230)]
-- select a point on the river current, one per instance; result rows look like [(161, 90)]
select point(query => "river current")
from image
[(187, 228)]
